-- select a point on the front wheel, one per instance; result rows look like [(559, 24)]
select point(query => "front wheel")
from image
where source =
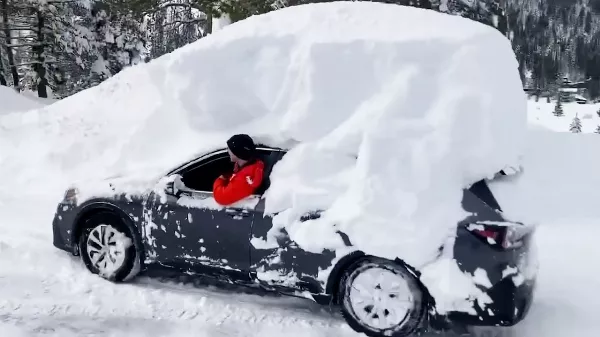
[(107, 247), (381, 298)]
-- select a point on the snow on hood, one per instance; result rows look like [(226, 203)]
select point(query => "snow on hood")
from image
[(132, 184), (393, 121)]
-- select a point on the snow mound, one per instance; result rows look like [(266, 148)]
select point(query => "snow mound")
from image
[(11, 101), (567, 166), (394, 121)]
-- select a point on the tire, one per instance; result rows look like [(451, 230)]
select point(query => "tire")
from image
[(361, 295), (105, 237)]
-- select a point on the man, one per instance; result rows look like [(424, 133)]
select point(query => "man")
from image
[(247, 172)]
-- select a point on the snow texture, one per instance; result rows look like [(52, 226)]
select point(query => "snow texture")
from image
[(11, 101), (559, 161)]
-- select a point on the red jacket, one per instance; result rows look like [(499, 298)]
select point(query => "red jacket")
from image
[(241, 184)]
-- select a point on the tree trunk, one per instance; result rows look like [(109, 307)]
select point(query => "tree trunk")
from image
[(209, 23), (40, 66), (9, 51), (2, 79)]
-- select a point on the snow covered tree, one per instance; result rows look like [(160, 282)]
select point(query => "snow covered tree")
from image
[(558, 109), (575, 126), (174, 23), (116, 40), (598, 113), (597, 129), (9, 25)]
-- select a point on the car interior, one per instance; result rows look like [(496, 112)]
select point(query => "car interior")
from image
[(202, 176)]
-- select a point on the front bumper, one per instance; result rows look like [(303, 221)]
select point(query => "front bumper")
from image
[(62, 227)]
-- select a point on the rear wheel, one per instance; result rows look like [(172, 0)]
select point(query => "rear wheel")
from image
[(381, 298), (107, 249)]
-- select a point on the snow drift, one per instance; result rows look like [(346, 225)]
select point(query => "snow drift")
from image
[(562, 162), (393, 121), (11, 101)]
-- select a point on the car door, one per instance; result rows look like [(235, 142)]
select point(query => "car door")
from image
[(192, 232), (284, 263)]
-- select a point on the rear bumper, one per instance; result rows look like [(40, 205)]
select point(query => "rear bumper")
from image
[(510, 306), (512, 277)]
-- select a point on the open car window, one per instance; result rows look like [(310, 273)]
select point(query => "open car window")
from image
[(201, 175)]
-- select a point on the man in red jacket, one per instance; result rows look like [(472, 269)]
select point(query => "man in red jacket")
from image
[(247, 173)]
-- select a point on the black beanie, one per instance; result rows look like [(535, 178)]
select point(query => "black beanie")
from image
[(242, 146)]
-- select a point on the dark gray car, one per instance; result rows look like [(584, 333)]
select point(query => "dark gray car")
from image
[(163, 229)]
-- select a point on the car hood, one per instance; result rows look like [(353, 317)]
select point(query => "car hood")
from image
[(131, 184)]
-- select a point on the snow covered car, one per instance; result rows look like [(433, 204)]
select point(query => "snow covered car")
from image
[(119, 235)]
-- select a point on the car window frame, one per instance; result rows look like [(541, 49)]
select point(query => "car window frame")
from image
[(208, 158)]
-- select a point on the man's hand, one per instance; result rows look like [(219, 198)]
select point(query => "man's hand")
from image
[(224, 178)]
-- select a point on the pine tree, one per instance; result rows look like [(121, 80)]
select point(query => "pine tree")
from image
[(598, 113), (597, 129), (558, 109), (575, 125)]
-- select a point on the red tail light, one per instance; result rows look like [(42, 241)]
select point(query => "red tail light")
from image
[(487, 233), (506, 235)]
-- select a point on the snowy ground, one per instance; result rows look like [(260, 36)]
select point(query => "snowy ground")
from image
[(10, 101), (540, 114)]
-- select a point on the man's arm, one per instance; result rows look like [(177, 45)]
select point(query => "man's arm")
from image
[(242, 186)]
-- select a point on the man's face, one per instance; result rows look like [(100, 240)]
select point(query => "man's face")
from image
[(232, 156)]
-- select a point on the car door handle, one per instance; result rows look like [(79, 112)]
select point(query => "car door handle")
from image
[(234, 213), (239, 215)]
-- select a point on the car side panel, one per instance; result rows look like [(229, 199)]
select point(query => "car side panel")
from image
[(286, 265), (180, 233), (69, 217)]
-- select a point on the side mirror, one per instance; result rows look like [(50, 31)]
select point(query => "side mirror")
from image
[(175, 186)]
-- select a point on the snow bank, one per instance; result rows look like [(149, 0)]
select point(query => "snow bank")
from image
[(393, 121), (11, 101), (559, 182)]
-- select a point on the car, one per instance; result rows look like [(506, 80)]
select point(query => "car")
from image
[(163, 228)]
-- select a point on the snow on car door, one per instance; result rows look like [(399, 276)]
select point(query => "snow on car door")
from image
[(195, 231), (284, 264)]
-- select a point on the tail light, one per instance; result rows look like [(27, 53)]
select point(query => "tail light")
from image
[(505, 235)]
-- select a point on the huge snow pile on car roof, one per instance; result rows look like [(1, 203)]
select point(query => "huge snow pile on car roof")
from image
[(396, 109)]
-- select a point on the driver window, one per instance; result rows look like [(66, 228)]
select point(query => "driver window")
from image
[(202, 177)]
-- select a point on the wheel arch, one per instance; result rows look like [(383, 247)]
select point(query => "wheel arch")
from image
[(98, 207), (428, 300), (347, 261), (335, 276)]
